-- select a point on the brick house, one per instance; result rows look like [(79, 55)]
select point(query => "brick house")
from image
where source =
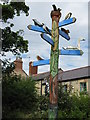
[(19, 67), (75, 80)]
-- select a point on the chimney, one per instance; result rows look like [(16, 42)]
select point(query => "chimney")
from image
[(18, 63), (32, 70)]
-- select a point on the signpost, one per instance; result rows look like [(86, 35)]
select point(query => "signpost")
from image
[(54, 57), (40, 29), (53, 83), (67, 22), (41, 62), (47, 39), (61, 52)]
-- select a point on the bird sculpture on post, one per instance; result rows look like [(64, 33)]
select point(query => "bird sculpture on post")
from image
[(68, 15), (39, 58), (55, 8), (37, 23), (80, 39), (74, 48), (66, 31)]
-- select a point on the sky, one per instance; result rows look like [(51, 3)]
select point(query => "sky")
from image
[(37, 46)]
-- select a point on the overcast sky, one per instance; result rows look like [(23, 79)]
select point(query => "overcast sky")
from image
[(37, 46)]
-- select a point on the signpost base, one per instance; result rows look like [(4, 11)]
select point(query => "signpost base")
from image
[(52, 114)]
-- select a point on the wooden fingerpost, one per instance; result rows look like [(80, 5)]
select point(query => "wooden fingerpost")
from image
[(53, 85)]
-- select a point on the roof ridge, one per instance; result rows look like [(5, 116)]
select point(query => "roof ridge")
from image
[(76, 69)]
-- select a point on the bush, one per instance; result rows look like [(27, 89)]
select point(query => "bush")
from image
[(41, 111), (18, 94), (73, 106), (20, 100)]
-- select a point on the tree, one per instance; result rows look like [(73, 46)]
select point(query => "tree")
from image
[(13, 41)]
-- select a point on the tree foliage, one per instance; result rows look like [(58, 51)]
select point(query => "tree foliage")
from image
[(13, 41), (7, 68), (12, 9)]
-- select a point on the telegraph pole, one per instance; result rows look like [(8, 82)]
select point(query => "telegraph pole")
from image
[(54, 57)]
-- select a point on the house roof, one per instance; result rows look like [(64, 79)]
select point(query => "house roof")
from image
[(41, 76), (79, 73), (63, 76), (20, 72)]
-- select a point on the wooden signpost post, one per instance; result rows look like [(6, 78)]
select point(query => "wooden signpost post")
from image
[(55, 52), (54, 57)]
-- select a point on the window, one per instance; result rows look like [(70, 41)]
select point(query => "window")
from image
[(65, 88), (83, 86)]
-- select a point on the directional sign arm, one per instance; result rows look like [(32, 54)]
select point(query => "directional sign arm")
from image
[(47, 39), (40, 29), (67, 22), (61, 52), (70, 52), (63, 34), (36, 28), (41, 62)]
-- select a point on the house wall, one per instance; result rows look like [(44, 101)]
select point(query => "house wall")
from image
[(38, 86), (43, 90), (72, 86), (75, 85), (89, 86)]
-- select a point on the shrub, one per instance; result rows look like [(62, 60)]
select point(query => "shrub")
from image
[(18, 94), (73, 106)]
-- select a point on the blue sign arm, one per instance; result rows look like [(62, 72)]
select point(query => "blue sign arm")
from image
[(47, 39), (67, 22), (63, 34), (41, 62), (36, 28), (61, 52), (40, 29), (70, 52)]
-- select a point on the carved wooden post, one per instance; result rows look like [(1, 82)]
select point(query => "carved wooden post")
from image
[(53, 85), (55, 52)]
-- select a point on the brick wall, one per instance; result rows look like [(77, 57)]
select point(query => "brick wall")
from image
[(18, 63), (32, 70)]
